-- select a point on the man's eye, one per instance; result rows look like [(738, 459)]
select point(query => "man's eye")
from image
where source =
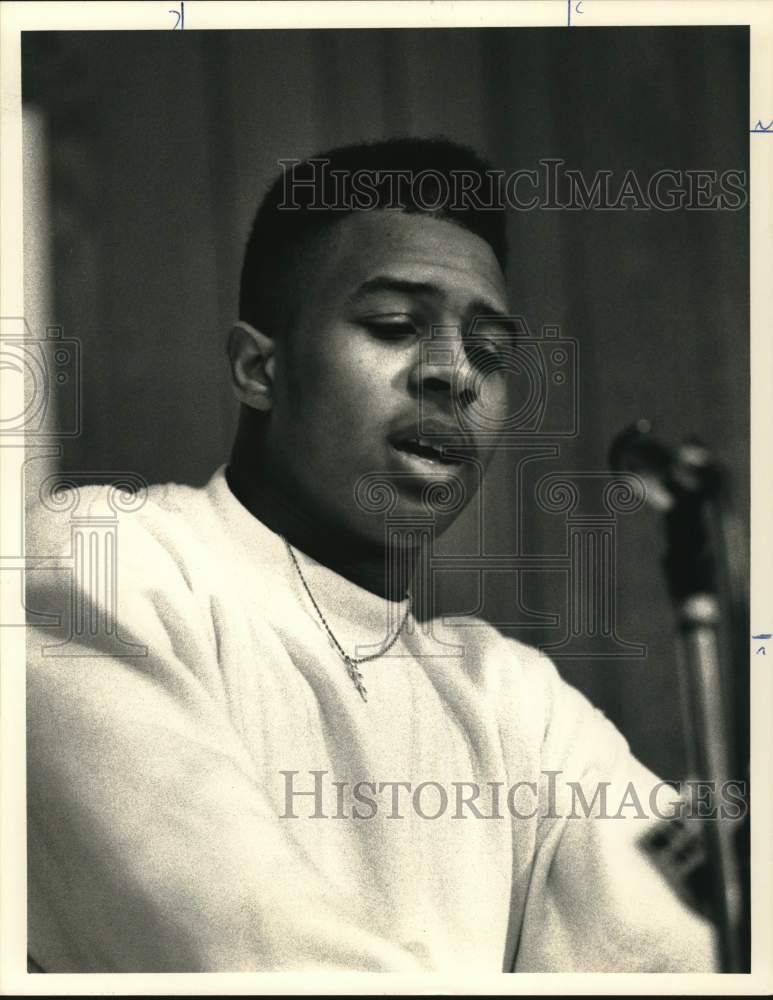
[(391, 329)]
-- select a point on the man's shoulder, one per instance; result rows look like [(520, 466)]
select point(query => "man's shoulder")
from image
[(155, 546), (486, 648), (525, 682), (160, 513), (501, 667), (114, 571)]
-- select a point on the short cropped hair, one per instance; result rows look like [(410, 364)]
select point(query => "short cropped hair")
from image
[(433, 177)]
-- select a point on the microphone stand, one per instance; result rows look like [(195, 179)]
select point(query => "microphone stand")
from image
[(704, 567)]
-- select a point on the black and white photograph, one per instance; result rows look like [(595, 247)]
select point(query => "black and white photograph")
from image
[(378, 506)]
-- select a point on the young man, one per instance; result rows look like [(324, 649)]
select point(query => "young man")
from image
[(271, 765)]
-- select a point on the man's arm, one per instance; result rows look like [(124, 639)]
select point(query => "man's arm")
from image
[(596, 902)]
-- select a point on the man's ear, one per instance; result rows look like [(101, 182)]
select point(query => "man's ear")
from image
[(251, 355)]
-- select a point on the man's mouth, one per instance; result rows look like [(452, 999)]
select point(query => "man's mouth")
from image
[(426, 449)]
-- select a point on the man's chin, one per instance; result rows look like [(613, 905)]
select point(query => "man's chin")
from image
[(410, 522), (414, 496)]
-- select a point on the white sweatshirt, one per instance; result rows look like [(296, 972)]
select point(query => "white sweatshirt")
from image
[(168, 829)]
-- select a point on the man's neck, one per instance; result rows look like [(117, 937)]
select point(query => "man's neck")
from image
[(362, 562)]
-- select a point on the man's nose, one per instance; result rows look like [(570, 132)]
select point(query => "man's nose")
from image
[(443, 369)]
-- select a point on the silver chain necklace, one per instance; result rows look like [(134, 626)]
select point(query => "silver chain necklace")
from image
[(352, 662)]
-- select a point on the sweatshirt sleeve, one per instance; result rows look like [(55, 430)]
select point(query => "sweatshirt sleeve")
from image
[(596, 903), (151, 846)]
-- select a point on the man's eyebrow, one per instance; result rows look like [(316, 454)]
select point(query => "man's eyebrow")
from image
[(403, 286)]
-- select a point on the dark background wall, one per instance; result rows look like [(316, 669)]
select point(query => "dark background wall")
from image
[(160, 145)]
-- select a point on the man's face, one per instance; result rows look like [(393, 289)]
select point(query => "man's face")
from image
[(359, 390)]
